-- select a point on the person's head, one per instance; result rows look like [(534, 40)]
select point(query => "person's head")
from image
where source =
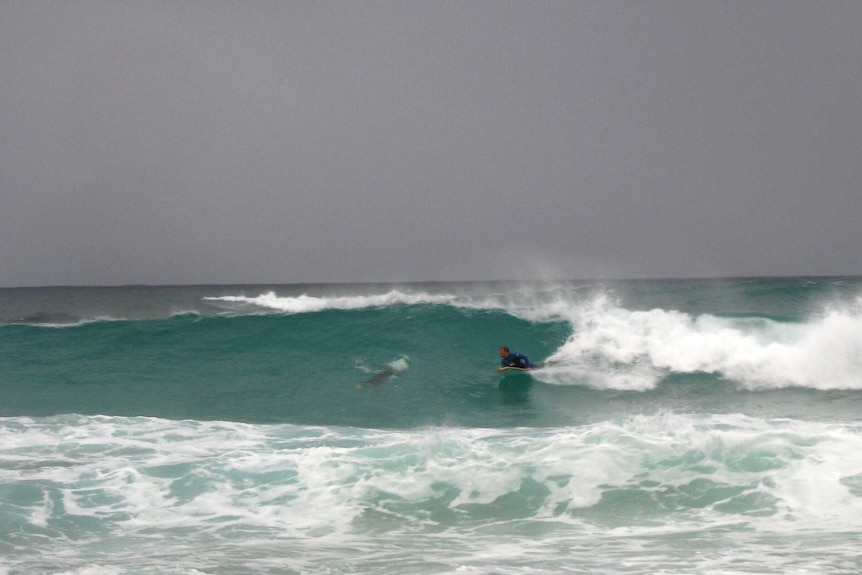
[(504, 351)]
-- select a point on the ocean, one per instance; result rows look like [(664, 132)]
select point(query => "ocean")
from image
[(709, 427)]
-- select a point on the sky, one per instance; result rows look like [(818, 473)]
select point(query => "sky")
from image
[(215, 142)]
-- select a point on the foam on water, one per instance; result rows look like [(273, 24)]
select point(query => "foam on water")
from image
[(110, 491), (616, 348)]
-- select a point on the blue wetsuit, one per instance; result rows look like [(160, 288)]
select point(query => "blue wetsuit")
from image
[(517, 360)]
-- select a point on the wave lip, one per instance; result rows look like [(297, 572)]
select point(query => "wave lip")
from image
[(308, 304)]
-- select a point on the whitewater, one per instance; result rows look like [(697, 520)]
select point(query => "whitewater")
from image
[(678, 426)]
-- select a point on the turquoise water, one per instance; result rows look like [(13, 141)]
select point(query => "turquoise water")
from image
[(678, 427)]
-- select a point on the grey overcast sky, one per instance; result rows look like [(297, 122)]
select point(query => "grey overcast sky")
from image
[(166, 142)]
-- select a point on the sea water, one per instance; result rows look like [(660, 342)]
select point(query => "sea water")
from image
[(677, 427)]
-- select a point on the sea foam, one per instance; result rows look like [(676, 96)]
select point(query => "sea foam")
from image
[(616, 348), (173, 490)]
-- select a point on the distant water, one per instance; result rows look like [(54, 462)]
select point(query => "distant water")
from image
[(710, 427)]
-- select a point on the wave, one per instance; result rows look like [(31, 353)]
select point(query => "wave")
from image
[(613, 347), (588, 335), (617, 348)]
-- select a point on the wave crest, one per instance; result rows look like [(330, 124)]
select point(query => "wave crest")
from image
[(308, 304)]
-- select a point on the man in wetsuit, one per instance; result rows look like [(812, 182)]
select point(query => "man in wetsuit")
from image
[(512, 359)]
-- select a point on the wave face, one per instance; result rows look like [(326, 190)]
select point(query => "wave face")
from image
[(297, 354), (677, 427)]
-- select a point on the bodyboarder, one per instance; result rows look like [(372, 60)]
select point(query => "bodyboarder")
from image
[(514, 359)]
